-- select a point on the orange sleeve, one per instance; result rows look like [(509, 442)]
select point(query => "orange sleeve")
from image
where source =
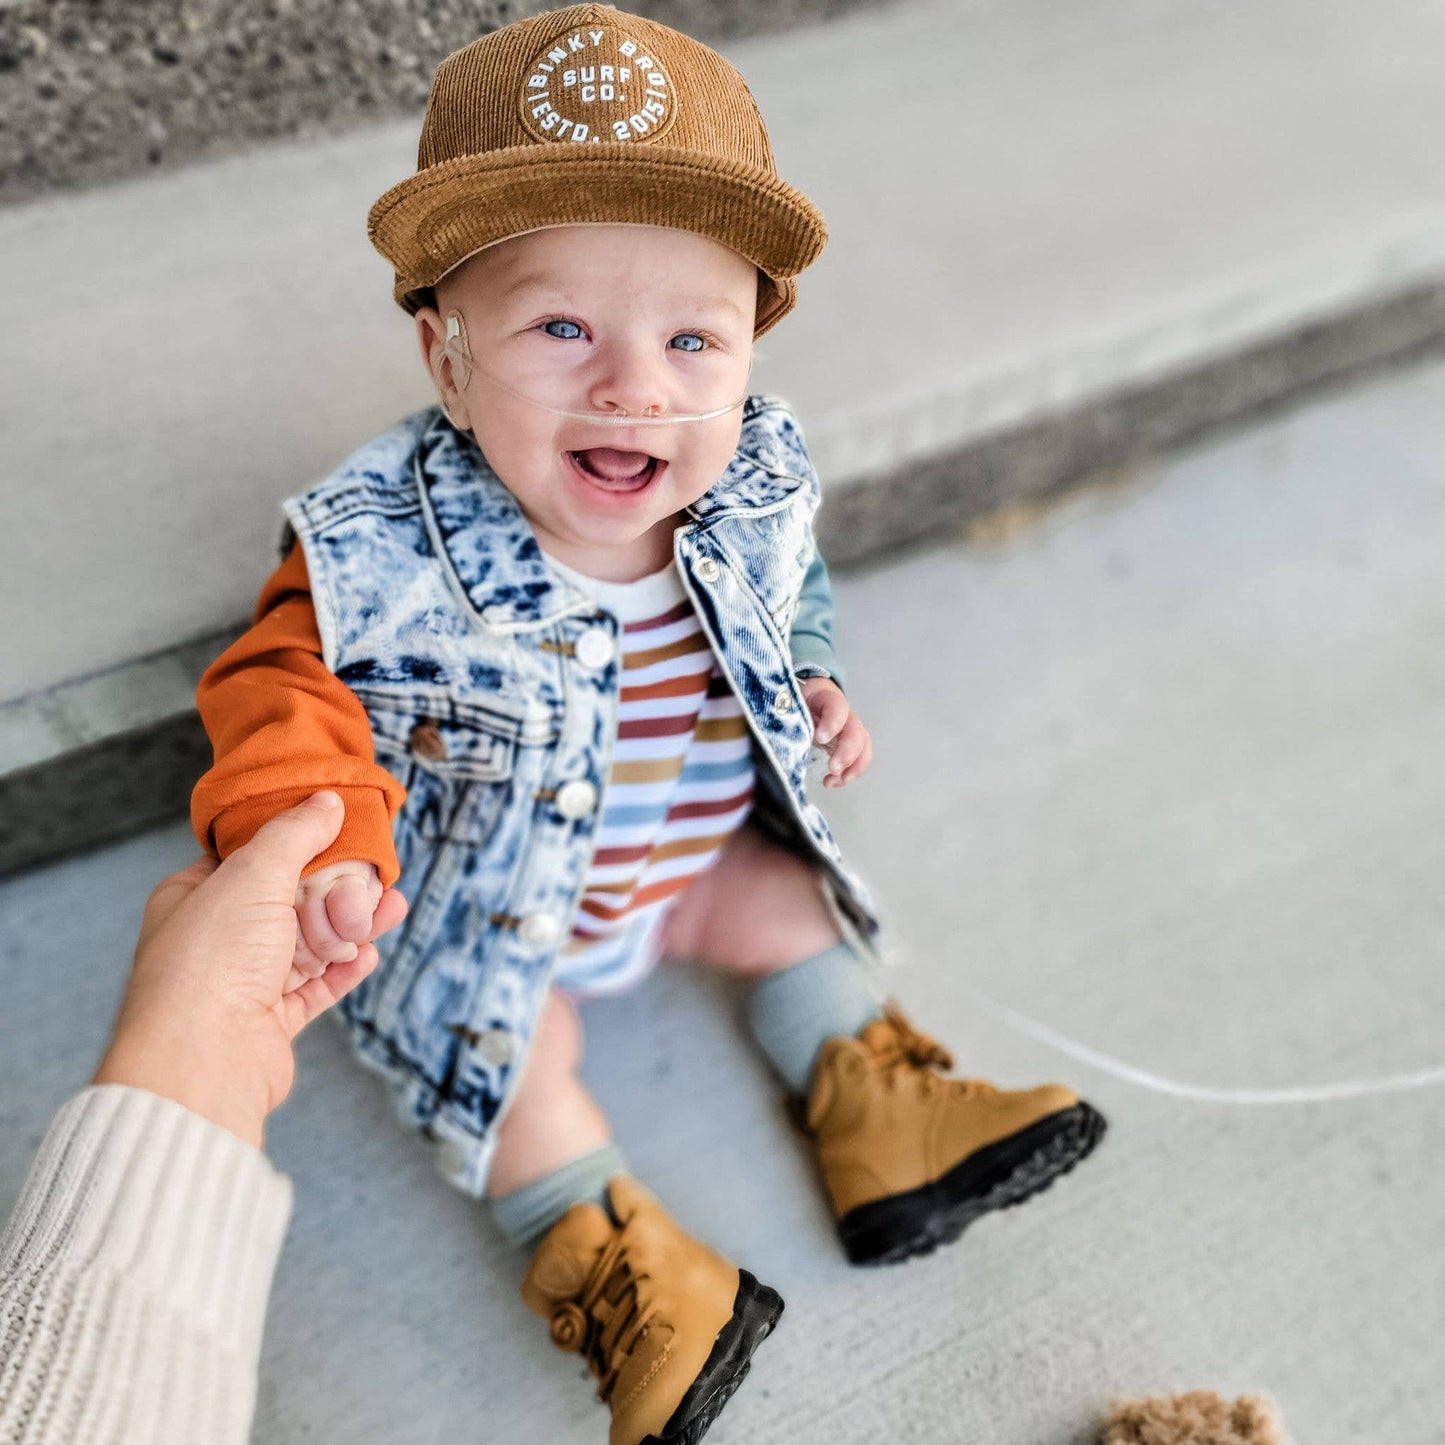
[(282, 726)]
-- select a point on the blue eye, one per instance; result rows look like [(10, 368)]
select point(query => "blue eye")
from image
[(571, 335), (689, 336)]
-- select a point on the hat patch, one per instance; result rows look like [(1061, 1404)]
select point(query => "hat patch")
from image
[(594, 85)]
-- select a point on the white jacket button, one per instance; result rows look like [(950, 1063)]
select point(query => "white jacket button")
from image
[(451, 1160), (496, 1047), (576, 799), (784, 700), (708, 570), (539, 930), (595, 648)]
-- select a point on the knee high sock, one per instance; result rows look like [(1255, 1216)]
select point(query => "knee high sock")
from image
[(795, 1011), (526, 1214)]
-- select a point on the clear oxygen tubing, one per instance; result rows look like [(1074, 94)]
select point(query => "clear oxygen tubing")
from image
[(463, 366), (1426, 1078)]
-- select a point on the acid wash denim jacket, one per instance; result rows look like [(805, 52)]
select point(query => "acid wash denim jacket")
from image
[(491, 685)]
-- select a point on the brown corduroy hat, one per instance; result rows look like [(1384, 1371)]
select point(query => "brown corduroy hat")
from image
[(586, 115)]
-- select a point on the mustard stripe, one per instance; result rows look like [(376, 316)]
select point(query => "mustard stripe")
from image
[(683, 647), (663, 853), (683, 847), (721, 729), (650, 771)]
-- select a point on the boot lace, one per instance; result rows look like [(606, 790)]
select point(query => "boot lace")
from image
[(912, 1049), (605, 1322), (911, 1046)]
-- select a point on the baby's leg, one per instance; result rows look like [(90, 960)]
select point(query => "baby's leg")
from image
[(666, 1324), (554, 1146), (909, 1157), (759, 912)]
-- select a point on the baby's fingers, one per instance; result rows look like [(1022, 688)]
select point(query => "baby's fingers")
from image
[(316, 931), (851, 755), (389, 912), (304, 960), (349, 906), (830, 712), (863, 761)]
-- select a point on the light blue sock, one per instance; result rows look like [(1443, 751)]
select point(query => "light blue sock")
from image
[(526, 1214), (795, 1011)]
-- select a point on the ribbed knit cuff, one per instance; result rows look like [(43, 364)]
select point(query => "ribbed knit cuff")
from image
[(813, 656), (526, 1214), (134, 1276), (795, 1011), (365, 834)]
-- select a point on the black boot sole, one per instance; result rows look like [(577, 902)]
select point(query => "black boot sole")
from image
[(890, 1230), (755, 1312)]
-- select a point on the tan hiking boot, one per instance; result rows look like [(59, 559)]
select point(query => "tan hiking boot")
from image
[(666, 1324), (911, 1158)]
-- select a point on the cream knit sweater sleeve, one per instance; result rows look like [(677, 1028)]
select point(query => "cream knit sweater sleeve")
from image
[(134, 1275)]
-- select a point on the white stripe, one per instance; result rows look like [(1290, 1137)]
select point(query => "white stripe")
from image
[(645, 795), (683, 705), (661, 635), (665, 670)]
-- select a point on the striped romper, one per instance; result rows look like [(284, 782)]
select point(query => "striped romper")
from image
[(681, 782)]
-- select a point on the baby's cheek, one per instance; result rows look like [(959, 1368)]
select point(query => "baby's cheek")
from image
[(707, 447)]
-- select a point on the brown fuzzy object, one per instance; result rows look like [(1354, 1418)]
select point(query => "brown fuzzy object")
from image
[(1198, 1418)]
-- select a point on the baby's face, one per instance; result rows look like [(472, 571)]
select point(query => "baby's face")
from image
[(606, 319)]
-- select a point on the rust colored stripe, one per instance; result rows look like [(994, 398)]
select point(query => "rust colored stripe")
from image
[(612, 857), (712, 808), (651, 894), (694, 682), (676, 614), (678, 848), (657, 727)]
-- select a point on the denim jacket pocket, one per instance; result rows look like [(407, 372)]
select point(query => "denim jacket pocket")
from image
[(455, 764)]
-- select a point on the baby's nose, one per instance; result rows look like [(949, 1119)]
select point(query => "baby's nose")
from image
[(629, 383)]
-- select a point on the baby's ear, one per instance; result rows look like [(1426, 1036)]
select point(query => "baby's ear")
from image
[(431, 335)]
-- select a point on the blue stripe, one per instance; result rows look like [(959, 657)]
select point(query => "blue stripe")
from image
[(716, 772), (630, 816)]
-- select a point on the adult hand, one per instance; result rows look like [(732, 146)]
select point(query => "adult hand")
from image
[(207, 1018)]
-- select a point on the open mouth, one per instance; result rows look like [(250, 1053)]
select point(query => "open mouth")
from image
[(616, 471)]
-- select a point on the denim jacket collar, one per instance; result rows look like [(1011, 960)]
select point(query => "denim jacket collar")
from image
[(477, 525)]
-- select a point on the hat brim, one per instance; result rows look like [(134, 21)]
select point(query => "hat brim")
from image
[(434, 220)]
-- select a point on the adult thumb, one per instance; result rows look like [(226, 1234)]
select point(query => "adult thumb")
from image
[(281, 848)]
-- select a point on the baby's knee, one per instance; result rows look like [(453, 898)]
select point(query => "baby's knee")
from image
[(766, 910), (769, 871)]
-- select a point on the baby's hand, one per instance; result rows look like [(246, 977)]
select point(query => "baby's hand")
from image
[(335, 909), (839, 730)]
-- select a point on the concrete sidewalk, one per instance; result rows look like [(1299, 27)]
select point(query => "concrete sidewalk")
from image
[(1034, 209), (1163, 772)]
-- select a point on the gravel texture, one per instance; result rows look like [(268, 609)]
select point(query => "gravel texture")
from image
[(93, 92)]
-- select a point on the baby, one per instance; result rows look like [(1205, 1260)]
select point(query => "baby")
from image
[(563, 645)]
